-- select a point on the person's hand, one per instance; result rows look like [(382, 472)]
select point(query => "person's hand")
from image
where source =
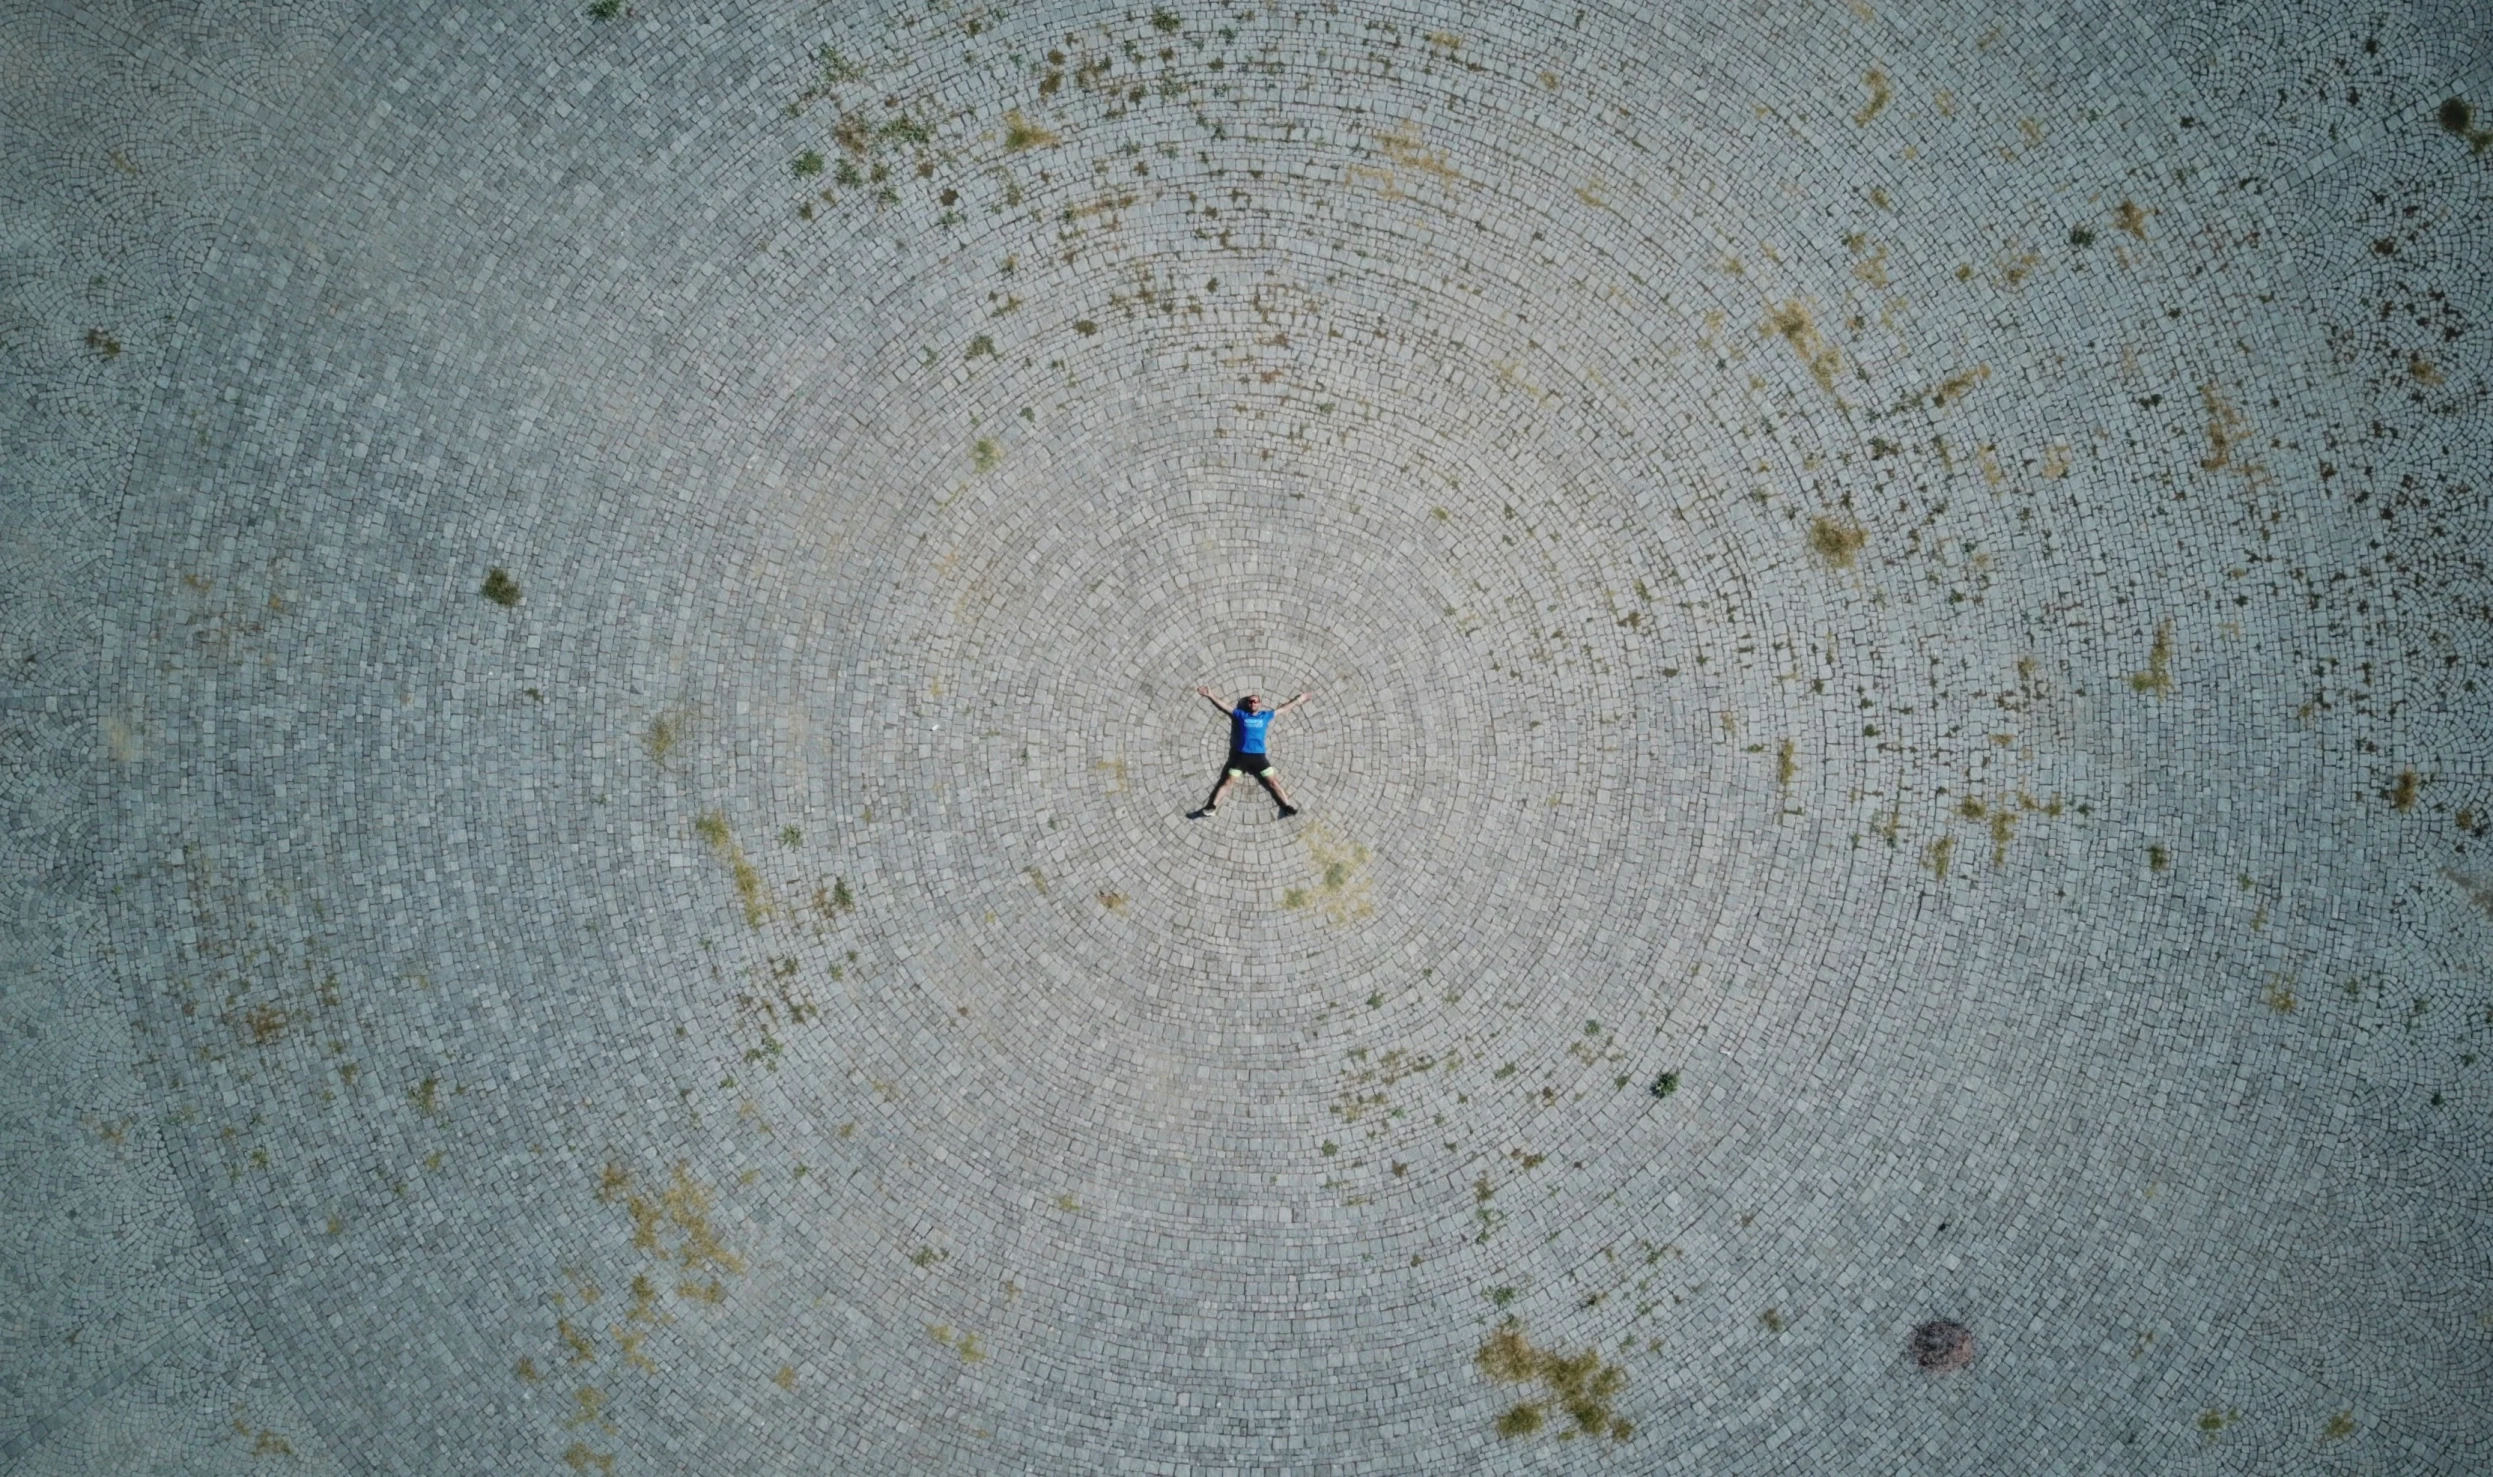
[(1302, 697), (1207, 692)]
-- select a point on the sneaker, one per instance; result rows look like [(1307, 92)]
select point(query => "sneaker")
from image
[(1196, 815), (1288, 811)]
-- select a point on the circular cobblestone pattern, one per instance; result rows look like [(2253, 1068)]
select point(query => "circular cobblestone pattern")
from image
[(601, 615)]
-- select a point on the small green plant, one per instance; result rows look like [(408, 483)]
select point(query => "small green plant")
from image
[(984, 454), (1085, 327), (1022, 133), (499, 587), (103, 343), (1665, 1085), (1583, 1386), (2081, 236), (2158, 678), (791, 836), (809, 162), (605, 10), (982, 344), (711, 827), (2158, 859), (1523, 1420), (1838, 541), (1164, 20), (2457, 116)]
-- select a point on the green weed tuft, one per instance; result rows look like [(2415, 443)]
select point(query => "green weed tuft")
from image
[(1583, 1386), (751, 891), (1021, 133), (2158, 678), (1837, 541)]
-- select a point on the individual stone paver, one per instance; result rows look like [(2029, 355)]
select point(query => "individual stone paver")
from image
[(597, 716)]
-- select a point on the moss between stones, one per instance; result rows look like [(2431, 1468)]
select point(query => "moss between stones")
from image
[(1583, 1386)]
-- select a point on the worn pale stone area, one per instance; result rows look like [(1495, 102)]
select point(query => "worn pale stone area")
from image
[(599, 617)]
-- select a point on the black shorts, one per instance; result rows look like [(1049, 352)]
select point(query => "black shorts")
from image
[(1255, 764)]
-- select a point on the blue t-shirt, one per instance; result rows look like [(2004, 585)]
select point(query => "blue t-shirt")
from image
[(1246, 730)]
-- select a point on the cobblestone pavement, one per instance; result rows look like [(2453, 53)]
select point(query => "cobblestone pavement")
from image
[(599, 615)]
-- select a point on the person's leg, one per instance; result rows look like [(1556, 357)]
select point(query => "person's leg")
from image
[(1220, 787), (1271, 779)]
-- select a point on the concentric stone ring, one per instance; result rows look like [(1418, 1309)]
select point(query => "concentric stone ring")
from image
[(601, 615)]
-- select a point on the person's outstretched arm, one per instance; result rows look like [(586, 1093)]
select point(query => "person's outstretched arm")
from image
[(1215, 702), (1294, 702)]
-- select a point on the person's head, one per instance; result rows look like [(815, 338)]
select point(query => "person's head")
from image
[(1251, 703)]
